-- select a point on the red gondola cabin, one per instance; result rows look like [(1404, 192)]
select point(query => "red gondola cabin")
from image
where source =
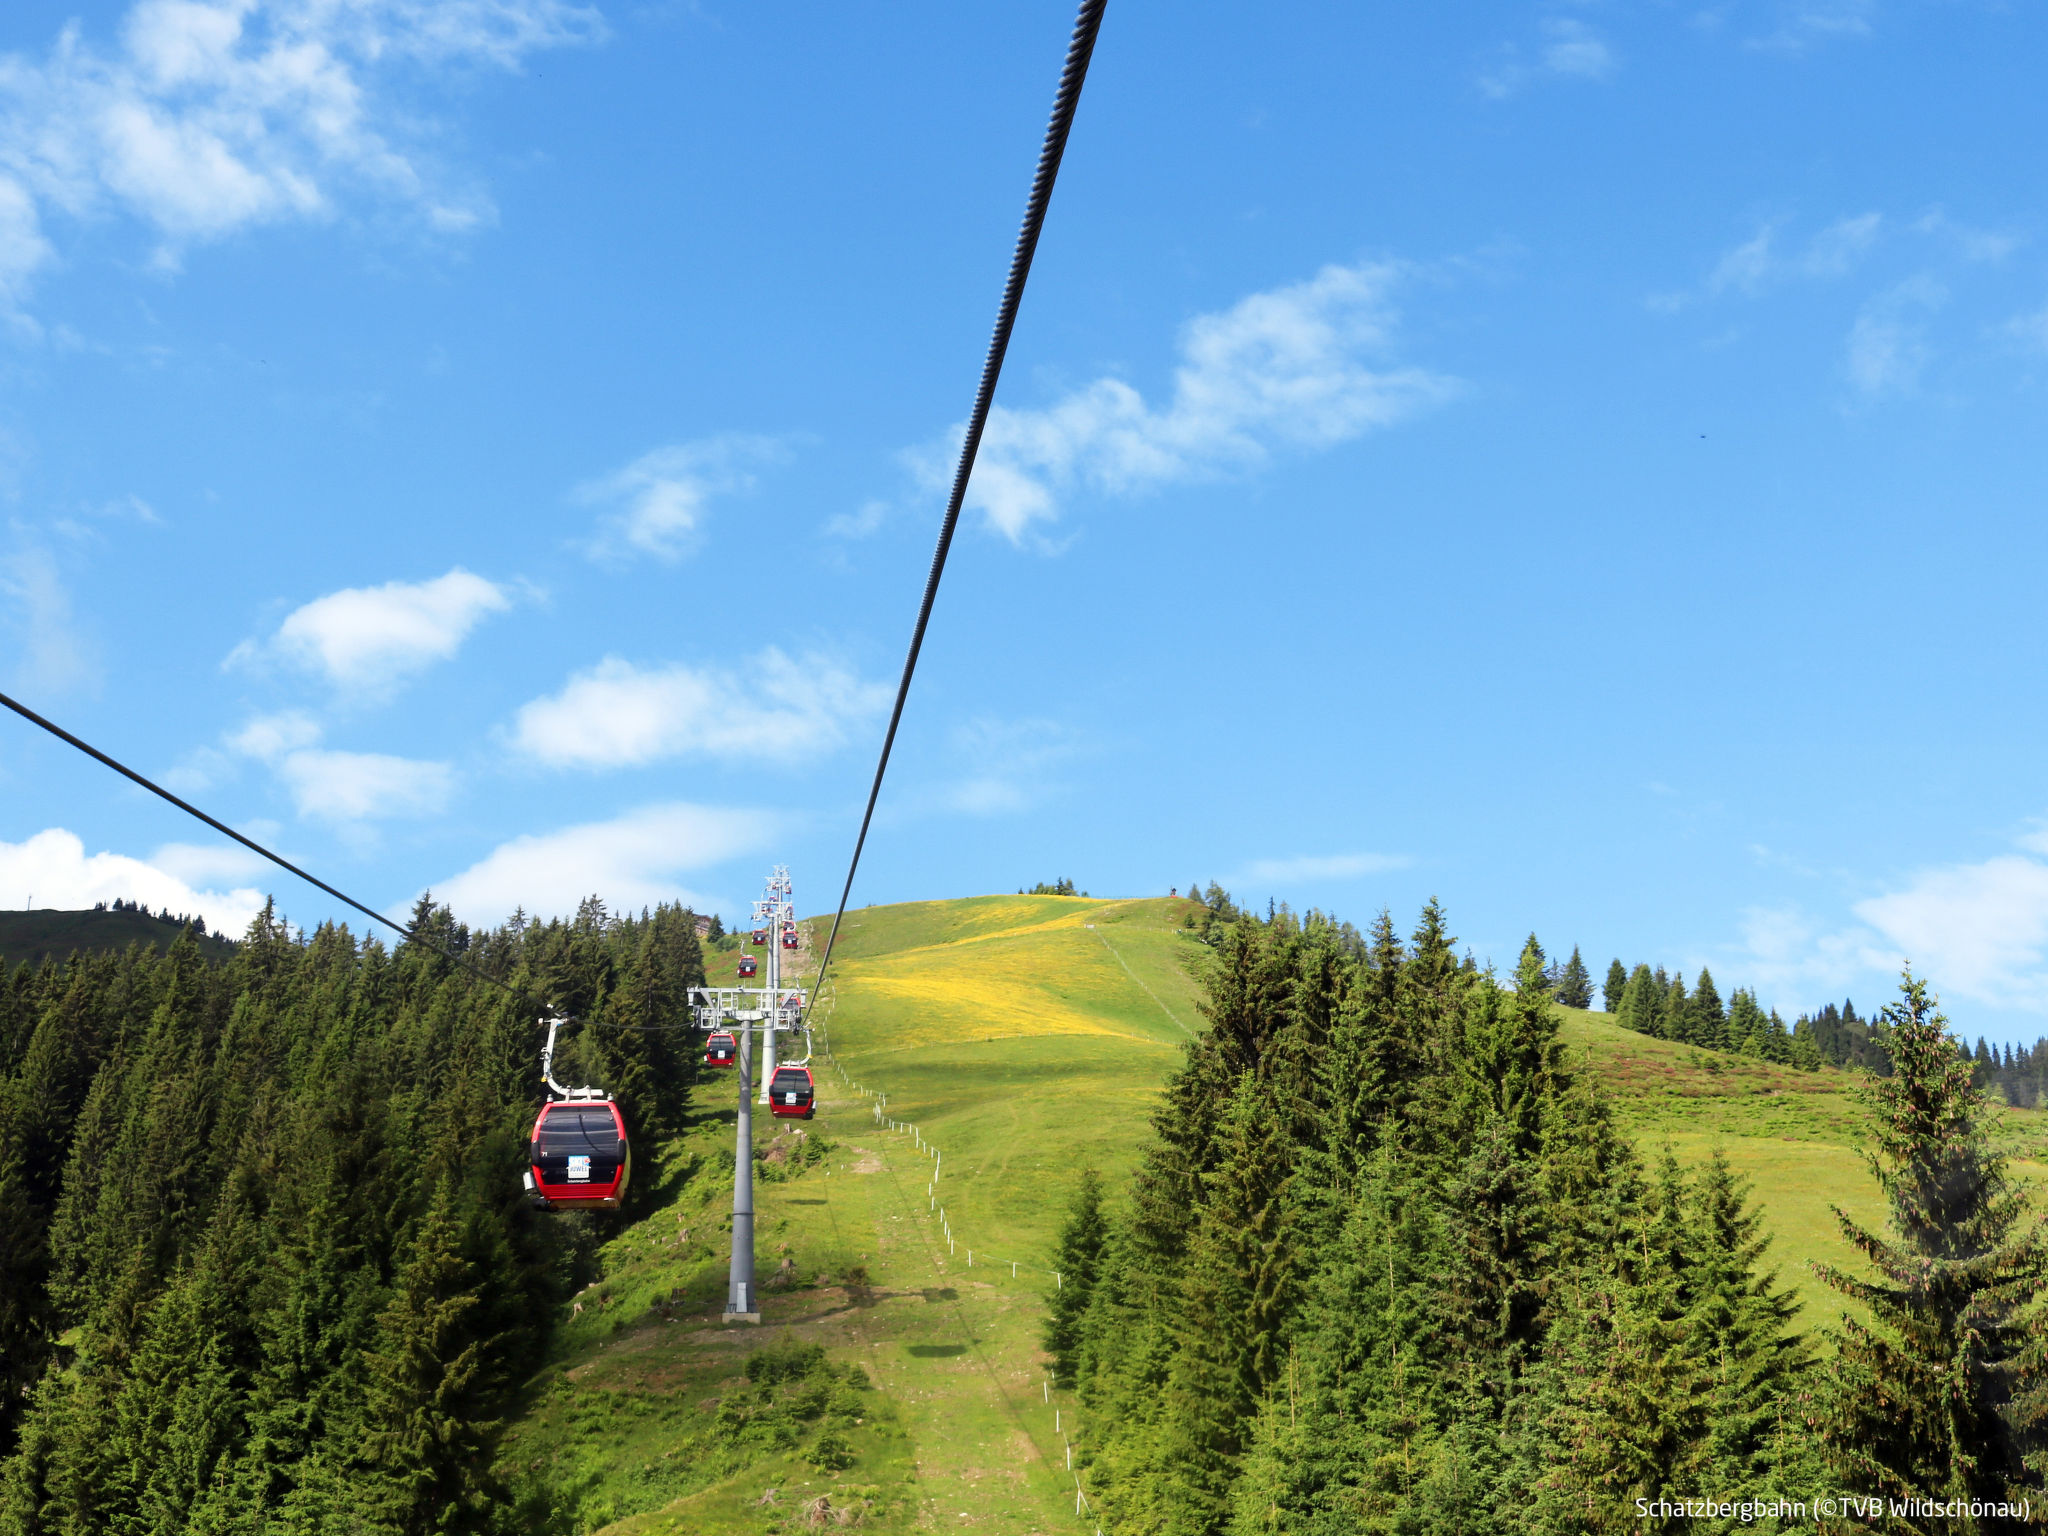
[(748, 965), (579, 1157), (789, 938), (792, 1095), (760, 937), (721, 1050)]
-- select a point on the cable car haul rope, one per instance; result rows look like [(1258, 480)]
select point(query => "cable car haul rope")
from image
[(1080, 49), (579, 1155)]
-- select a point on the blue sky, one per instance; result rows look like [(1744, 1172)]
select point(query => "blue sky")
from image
[(1582, 461)]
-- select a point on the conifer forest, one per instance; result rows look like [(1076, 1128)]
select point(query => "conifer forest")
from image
[(1387, 1266), (266, 1264)]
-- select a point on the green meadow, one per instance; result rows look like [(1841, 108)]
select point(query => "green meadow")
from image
[(972, 1057)]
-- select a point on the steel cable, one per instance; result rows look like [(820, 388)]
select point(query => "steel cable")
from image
[(408, 934), (1080, 48)]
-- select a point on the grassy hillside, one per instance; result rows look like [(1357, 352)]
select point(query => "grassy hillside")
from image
[(29, 938), (1023, 1037)]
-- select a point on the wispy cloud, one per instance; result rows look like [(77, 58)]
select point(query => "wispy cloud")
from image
[(365, 786), (369, 640), (1977, 931), (201, 863), (860, 524), (49, 649), (1567, 49), (656, 505), (211, 116), (1887, 346), (1767, 260), (53, 869), (1799, 25), (777, 708), (633, 860), (1972, 244), (345, 787), (1291, 367), (1319, 869), (1009, 764)]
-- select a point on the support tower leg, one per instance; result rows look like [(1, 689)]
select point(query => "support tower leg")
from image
[(742, 1301)]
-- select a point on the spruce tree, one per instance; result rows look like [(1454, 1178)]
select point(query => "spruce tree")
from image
[(1709, 1022), (1615, 985), (1239, 1289), (1575, 983), (1077, 1260), (1674, 1016), (427, 1429), (1638, 1008), (1920, 1402)]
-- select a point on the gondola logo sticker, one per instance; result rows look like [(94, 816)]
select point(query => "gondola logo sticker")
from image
[(579, 1170)]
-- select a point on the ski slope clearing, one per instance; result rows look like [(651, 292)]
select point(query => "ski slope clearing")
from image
[(981, 1053)]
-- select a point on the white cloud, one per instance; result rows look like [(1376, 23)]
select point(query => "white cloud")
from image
[(1763, 261), (1009, 762), (339, 786), (269, 737), (858, 525), (1972, 244), (777, 709), (1978, 931), (1789, 959), (211, 116), (365, 786), (1570, 50), (198, 863), (370, 639), (1573, 48), (53, 869), (656, 504), (1802, 24), (1317, 868), (50, 652), (630, 861), (1887, 346), (2030, 328), (1281, 368)]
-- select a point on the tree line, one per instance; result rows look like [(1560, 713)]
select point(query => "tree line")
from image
[(265, 1260), (1387, 1265)]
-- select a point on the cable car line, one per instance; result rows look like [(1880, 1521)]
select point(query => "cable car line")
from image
[(281, 862), (1080, 47)]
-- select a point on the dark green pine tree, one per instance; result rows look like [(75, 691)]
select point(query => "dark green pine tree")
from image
[(1077, 1261), (1641, 1003), (1740, 1324), (1675, 1020), (1534, 966), (1575, 983), (1615, 985), (1918, 1409), (1236, 1296), (1709, 1022), (1749, 1027), (1355, 1421), (427, 1428)]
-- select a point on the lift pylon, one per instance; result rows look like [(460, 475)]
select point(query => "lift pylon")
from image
[(774, 912), (773, 1009)]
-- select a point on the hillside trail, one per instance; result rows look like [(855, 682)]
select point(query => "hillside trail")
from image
[(954, 1346)]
